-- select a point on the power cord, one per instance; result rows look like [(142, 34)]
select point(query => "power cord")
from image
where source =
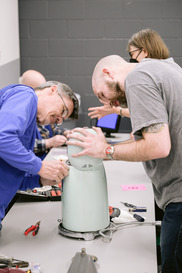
[(107, 233)]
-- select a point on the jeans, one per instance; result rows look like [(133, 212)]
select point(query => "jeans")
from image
[(171, 239)]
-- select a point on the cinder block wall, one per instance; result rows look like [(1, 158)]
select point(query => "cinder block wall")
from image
[(65, 39)]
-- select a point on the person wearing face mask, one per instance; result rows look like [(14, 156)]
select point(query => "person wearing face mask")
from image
[(146, 43)]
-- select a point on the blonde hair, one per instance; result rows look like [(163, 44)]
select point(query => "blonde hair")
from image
[(150, 41)]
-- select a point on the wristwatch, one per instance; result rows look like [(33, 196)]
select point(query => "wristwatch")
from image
[(109, 151)]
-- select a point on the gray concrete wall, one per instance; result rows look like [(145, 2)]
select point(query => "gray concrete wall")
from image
[(9, 73), (9, 43), (65, 39)]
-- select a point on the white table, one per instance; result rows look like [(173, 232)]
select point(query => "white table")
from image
[(131, 250)]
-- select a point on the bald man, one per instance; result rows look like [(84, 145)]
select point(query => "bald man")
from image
[(152, 91), (32, 78)]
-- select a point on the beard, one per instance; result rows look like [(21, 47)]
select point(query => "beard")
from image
[(118, 94)]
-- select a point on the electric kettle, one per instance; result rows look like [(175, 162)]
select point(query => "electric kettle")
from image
[(84, 193)]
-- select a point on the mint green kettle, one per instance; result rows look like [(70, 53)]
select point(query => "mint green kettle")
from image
[(84, 195)]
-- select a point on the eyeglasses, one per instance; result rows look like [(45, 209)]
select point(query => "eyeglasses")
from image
[(65, 110), (130, 53)]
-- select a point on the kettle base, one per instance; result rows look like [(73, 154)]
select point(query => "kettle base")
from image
[(87, 236)]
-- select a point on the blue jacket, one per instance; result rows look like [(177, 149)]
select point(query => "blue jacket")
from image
[(18, 163)]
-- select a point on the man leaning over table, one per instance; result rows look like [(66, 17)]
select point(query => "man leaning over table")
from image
[(152, 91), (20, 108)]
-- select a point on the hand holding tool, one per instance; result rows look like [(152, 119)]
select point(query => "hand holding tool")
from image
[(34, 228)]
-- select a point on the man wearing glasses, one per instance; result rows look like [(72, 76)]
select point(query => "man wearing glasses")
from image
[(20, 107), (48, 136), (52, 135)]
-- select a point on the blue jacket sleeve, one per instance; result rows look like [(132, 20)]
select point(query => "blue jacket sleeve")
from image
[(17, 130), (30, 182)]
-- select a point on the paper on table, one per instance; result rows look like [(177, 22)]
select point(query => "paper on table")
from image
[(140, 187)]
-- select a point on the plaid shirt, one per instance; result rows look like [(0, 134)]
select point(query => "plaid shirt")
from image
[(39, 146)]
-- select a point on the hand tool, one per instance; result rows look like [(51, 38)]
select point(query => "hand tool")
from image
[(128, 205), (138, 209), (138, 217), (114, 212), (11, 262), (133, 208), (34, 228)]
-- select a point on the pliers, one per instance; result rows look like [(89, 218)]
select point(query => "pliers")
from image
[(34, 228), (11, 262)]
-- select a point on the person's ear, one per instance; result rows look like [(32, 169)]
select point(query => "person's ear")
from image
[(145, 52), (53, 89), (108, 74)]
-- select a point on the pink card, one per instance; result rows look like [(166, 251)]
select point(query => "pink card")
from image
[(140, 187)]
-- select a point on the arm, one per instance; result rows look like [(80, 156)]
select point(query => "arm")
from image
[(99, 112), (53, 170), (17, 116), (43, 141), (55, 141), (155, 144)]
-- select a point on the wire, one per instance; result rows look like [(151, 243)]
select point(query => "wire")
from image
[(107, 233)]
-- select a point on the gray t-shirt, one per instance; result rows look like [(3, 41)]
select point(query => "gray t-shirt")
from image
[(154, 95)]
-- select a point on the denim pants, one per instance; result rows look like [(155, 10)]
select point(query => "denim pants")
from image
[(171, 239)]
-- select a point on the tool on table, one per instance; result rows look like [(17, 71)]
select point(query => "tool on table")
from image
[(138, 217), (114, 212), (34, 228), (11, 262), (134, 208), (45, 193), (128, 205), (138, 209), (82, 262)]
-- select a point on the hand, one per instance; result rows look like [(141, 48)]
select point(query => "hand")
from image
[(55, 141), (66, 132), (101, 111), (47, 182), (93, 145), (54, 170)]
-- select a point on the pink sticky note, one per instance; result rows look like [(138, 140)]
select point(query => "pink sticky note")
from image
[(140, 187)]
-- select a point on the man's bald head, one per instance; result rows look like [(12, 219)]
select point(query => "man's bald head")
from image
[(108, 62), (108, 79), (32, 78)]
